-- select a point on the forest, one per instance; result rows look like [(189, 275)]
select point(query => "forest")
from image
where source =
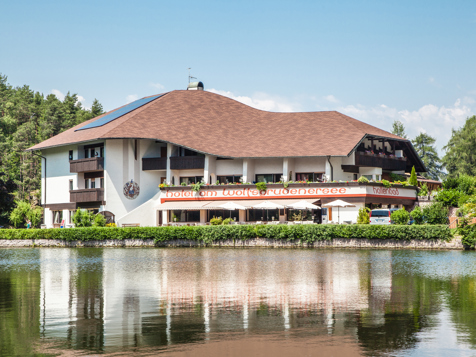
[(27, 118)]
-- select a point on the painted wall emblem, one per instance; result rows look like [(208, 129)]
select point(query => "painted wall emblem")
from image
[(131, 189)]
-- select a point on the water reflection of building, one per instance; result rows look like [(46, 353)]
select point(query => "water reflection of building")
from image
[(113, 298)]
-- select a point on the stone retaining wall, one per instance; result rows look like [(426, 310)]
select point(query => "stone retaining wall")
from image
[(455, 243)]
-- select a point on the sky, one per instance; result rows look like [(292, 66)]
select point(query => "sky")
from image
[(377, 61)]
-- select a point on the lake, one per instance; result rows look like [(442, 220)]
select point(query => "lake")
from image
[(224, 301)]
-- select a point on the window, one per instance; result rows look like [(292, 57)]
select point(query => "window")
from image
[(93, 183), (101, 182), (263, 215), (101, 151), (368, 177), (86, 183), (86, 153), (57, 217), (71, 214), (228, 179), (184, 216), (93, 153), (190, 180), (300, 215), (71, 185), (70, 155), (233, 214), (268, 177), (309, 176)]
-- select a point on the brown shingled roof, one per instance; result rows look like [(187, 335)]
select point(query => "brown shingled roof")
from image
[(217, 125)]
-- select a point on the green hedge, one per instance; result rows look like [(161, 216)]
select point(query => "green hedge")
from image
[(208, 234)]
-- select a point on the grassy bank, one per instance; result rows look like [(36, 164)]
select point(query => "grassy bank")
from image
[(208, 234)]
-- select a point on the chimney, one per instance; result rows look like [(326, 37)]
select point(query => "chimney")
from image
[(195, 86)]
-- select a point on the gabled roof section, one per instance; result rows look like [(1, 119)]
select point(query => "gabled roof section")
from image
[(217, 125)]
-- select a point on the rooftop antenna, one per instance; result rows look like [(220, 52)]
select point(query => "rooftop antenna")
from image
[(189, 76)]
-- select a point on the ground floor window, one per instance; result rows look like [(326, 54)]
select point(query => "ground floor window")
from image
[(268, 177), (263, 215), (57, 217), (224, 213), (300, 215), (190, 180), (184, 216), (228, 179)]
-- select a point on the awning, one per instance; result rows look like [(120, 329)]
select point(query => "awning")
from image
[(190, 205), (208, 205)]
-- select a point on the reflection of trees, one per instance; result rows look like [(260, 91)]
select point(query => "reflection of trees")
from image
[(19, 309), (87, 331), (462, 304)]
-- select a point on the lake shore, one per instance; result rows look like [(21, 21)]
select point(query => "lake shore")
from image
[(352, 243)]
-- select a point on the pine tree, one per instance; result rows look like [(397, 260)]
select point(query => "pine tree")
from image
[(398, 129), (460, 157), (424, 146), (413, 181)]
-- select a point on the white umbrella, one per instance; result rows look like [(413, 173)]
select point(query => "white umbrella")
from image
[(339, 203), (232, 206), (267, 205), (303, 205)]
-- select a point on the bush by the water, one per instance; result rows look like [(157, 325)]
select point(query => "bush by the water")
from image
[(209, 234), (400, 216)]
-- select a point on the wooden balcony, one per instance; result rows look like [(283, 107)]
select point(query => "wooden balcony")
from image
[(385, 162), (87, 195), (154, 163), (187, 162), (86, 165)]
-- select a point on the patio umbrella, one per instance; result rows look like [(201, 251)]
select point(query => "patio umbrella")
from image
[(267, 205), (339, 203), (303, 205), (231, 206)]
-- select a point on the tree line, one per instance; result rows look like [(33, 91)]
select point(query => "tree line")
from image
[(28, 118), (460, 151)]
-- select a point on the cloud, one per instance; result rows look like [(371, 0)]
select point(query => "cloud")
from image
[(58, 94), (436, 121), (261, 101), (331, 98), (157, 85), (433, 82), (131, 98)]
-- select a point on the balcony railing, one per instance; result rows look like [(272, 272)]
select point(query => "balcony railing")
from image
[(385, 162), (85, 165), (87, 195), (154, 163), (187, 162)]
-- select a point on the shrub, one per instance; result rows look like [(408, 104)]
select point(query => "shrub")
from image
[(423, 190), (261, 186), (99, 220), (208, 234), (83, 218), (216, 221), (363, 179), (363, 217), (448, 197), (450, 182), (111, 225), (183, 184), (413, 181), (400, 216), (397, 177), (466, 184), (196, 187), (227, 221), (417, 215), (386, 183), (23, 212), (436, 213)]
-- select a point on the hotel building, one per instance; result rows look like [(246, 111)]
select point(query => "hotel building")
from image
[(136, 163)]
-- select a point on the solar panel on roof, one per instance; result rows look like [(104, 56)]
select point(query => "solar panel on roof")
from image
[(119, 112)]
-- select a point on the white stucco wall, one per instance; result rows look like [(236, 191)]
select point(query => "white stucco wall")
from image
[(57, 169), (268, 166), (120, 167), (310, 164), (229, 167)]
